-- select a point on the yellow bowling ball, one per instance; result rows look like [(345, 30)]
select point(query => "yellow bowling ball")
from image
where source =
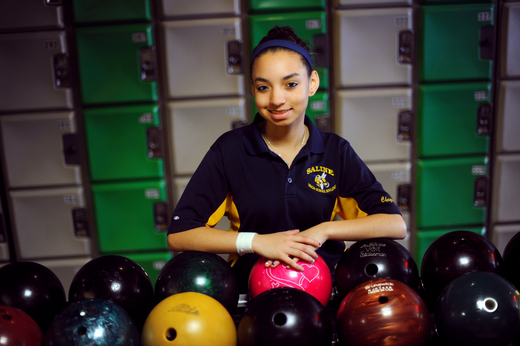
[(189, 319)]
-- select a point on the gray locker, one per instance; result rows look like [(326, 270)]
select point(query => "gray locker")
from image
[(172, 8), (204, 57), (373, 47), (502, 234), (193, 126), (377, 122), (341, 3), (508, 119), (34, 71), (65, 269), (506, 189), (40, 149), (510, 41), (18, 14), (4, 246), (50, 223)]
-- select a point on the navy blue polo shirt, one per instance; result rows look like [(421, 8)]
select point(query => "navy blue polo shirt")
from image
[(242, 179)]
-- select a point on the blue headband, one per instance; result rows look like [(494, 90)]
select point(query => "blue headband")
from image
[(284, 44)]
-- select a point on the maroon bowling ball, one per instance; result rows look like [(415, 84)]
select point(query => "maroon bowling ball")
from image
[(18, 328)]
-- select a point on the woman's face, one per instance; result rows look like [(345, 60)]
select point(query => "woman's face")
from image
[(281, 86)]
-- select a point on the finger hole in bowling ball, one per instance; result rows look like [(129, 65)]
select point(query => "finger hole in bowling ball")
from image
[(371, 269), (87, 285), (171, 334), (383, 300), (490, 305), (280, 319), (82, 331), (7, 317), (463, 242)]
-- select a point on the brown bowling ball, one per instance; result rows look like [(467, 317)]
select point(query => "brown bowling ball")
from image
[(383, 312)]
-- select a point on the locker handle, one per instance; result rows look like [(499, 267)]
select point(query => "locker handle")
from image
[(404, 125), (484, 116), (404, 196), (79, 217), (405, 52), (480, 192), (154, 139), (160, 210), (320, 44), (61, 69), (71, 153), (235, 57), (487, 42), (148, 63)]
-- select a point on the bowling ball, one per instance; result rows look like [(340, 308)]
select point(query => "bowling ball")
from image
[(118, 279), (34, 289), (452, 255), (18, 328), (92, 322), (285, 316), (194, 271), (189, 319), (511, 257), (383, 312), (315, 279), (478, 309), (376, 258)]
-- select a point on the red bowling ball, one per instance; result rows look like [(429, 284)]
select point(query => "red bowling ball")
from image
[(18, 328), (315, 279)]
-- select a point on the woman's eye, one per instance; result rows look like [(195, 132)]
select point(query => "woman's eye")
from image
[(292, 85), (261, 88)]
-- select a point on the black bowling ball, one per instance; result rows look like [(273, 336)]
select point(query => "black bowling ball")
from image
[(511, 256)]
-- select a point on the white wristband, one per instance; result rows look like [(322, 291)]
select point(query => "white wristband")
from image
[(244, 242)]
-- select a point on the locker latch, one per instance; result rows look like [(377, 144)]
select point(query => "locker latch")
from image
[(404, 125), (79, 217), (321, 50), (405, 55), (235, 63), (148, 63), (487, 42), (404, 195), (160, 210), (71, 153), (154, 140), (484, 116), (62, 71), (480, 195)]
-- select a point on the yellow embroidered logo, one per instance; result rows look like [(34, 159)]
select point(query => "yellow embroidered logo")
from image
[(386, 199), (321, 183)]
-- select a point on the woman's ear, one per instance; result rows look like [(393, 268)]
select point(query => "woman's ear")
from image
[(314, 83)]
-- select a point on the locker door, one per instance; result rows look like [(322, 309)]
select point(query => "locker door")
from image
[(369, 120), (367, 46), (454, 119), (502, 234), (96, 11), (4, 246), (195, 125), (50, 223), (172, 8), (342, 3), (455, 42), (508, 121), (151, 262), (204, 57), (40, 149), (124, 142), (506, 188), (510, 42), (309, 26), (34, 71), (287, 5), (16, 14), (65, 269), (131, 216), (117, 64), (451, 192)]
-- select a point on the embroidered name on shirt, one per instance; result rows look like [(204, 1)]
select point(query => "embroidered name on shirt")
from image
[(320, 169), (321, 181), (386, 199)]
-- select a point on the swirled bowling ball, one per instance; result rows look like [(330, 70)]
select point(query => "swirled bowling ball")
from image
[(376, 258), (511, 257), (118, 279), (478, 309), (34, 289), (202, 272), (189, 319), (315, 279), (453, 255), (18, 328), (383, 312), (285, 316), (93, 322)]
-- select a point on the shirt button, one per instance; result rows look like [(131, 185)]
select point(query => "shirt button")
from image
[(289, 180)]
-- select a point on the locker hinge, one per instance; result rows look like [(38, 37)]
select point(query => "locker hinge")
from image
[(484, 117), (487, 42), (404, 125), (79, 217), (320, 44), (235, 54), (62, 70), (148, 63), (480, 192), (160, 210), (404, 196), (154, 138), (71, 153), (405, 52)]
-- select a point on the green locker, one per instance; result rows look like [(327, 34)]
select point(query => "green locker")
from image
[(131, 216), (453, 119), (287, 5), (124, 142), (117, 64), (309, 26), (456, 42), (451, 192), (96, 11), (152, 262)]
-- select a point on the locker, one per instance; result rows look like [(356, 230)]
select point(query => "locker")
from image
[(373, 47), (98, 11), (309, 26), (451, 192), (454, 119), (50, 223), (506, 188), (171, 8), (124, 142), (345, 3), (117, 64), (151, 262), (434, 2), (4, 246), (288, 5), (502, 234), (195, 125), (508, 121), (510, 41), (65, 269), (40, 149), (456, 42), (377, 122), (28, 14), (210, 62), (34, 71), (131, 216)]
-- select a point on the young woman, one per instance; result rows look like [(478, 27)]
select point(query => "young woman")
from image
[(280, 180)]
